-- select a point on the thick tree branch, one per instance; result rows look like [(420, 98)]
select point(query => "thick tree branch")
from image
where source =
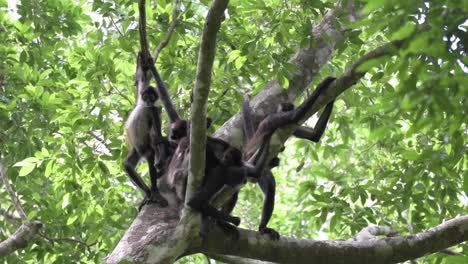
[(378, 250), (153, 226), (200, 94), (237, 260), (20, 239), (13, 196)]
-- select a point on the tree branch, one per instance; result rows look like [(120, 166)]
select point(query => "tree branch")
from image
[(378, 250), (8, 215), (66, 239), (170, 31), (200, 94), (142, 30), (20, 239), (157, 235), (237, 260), (13, 196)]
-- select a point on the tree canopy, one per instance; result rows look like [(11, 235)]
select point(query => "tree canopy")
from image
[(393, 153)]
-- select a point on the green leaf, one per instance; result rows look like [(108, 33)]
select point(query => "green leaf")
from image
[(372, 5), (404, 31), (72, 219), (410, 154), (26, 169), (65, 200), (372, 63)]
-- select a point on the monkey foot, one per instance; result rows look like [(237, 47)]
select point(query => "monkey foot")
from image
[(234, 220), (270, 232), (156, 198), (228, 229)]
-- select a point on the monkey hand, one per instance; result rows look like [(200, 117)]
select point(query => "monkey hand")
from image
[(270, 232)]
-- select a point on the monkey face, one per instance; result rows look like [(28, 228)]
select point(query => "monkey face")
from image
[(149, 96), (232, 157), (178, 130), (285, 107)]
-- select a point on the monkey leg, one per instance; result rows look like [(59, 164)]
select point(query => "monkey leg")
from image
[(314, 134), (201, 201), (230, 204), (155, 196), (130, 163), (268, 185)]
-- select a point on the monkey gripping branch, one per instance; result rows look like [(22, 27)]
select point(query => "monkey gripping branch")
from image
[(170, 226)]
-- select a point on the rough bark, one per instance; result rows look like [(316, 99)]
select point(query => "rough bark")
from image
[(206, 56), (377, 250), (20, 239), (157, 235)]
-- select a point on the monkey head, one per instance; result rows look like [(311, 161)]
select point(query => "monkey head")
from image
[(177, 130), (149, 96), (285, 107), (231, 157)]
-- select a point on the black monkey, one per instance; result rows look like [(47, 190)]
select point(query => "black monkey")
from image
[(264, 132), (268, 126), (225, 169), (143, 130)]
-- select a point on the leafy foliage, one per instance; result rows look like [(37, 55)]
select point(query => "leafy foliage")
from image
[(392, 155)]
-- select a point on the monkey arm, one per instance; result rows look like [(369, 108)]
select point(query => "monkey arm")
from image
[(164, 95), (314, 134), (247, 121)]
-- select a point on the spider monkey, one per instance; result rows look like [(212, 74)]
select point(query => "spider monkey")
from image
[(268, 126), (143, 130), (264, 132), (224, 166)]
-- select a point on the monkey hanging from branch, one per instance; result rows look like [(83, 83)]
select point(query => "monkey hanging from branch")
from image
[(145, 140), (258, 139)]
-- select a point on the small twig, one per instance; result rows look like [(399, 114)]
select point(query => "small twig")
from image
[(8, 215), (102, 141), (66, 239), (170, 31), (116, 27), (13, 196)]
